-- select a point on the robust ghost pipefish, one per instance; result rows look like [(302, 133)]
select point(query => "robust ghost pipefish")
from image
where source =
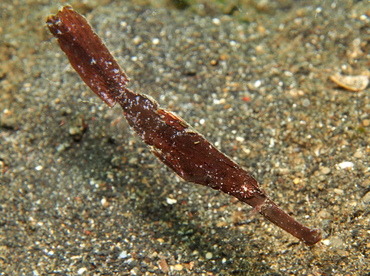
[(169, 137)]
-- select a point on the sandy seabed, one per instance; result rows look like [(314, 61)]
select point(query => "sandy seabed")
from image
[(80, 194)]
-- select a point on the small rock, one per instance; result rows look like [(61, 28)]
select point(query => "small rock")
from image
[(133, 160), (209, 255), (366, 197), (339, 191), (178, 267), (325, 170), (336, 243), (160, 240), (137, 40), (326, 242), (123, 255), (163, 265), (171, 201), (324, 214), (82, 270), (366, 122), (345, 165)]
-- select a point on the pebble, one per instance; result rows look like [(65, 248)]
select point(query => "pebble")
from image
[(155, 41), (326, 242), (366, 197), (339, 191), (137, 40), (133, 160), (160, 240), (171, 201), (345, 165), (209, 255), (178, 267), (306, 102), (216, 21), (325, 170), (123, 255), (82, 270), (336, 243), (324, 214)]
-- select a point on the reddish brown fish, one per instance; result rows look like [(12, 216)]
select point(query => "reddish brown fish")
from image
[(169, 137)]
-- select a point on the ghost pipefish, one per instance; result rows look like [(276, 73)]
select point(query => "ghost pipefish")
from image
[(169, 137)]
